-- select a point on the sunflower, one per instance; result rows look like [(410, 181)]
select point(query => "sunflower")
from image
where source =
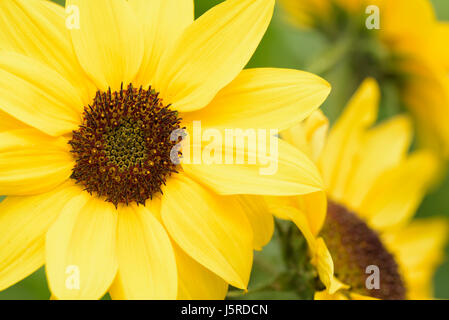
[(373, 188), (409, 51), (88, 103)]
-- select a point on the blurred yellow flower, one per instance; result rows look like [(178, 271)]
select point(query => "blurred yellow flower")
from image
[(83, 142), (414, 53), (373, 188)]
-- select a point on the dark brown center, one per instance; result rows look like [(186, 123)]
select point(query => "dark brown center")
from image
[(354, 247), (123, 148)]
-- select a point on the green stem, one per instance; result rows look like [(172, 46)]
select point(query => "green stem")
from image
[(298, 275), (332, 56), (265, 266)]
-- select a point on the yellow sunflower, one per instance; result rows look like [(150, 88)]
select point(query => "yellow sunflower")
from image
[(373, 188), (410, 49), (89, 97)]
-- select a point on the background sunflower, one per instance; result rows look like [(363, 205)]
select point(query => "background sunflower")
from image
[(286, 47)]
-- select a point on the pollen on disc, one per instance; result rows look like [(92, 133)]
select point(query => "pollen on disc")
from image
[(123, 148), (354, 247)]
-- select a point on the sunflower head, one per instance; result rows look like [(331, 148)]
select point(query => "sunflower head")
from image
[(400, 43), (373, 188), (329, 16), (354, 247), (123, 148), (66, 118)]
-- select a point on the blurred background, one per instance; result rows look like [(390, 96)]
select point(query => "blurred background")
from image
[(287, 47)]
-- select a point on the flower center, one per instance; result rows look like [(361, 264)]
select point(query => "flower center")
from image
[(354, 247), (123, 147)]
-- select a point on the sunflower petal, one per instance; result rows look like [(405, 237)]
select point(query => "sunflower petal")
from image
[(413, 13), (80, 259), (8, 122), (109, 43), (264, 98), (325, 295), (321, 257), (325, 267), (215, 233), (442, 32), (163, 22), (345, 137), (195, 282), (356, 296), (212, 52), (37, 95), (24, 222), (310, 135), (429, 87), (38, 30), (396, 194), (390, 139), (286, 172), (147, 266), (32, 162), (314, 205), (419, 249), (260, 218)]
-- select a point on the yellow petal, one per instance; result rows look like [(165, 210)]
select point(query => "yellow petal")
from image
[(29, 137), (285, 172), (356, 296), (419, 249), (426, 95), (325, 267), (294, 209), (310, 208), (302, 13), (310, 135), (259, 216), (80, 247), (109, 43), (286, 208), (400, 17), (314, 205), (301, 221), (325, 295), (264, 98), (316, 128), (38, 30), (282, 207), (163, 22), (344, 139), (32, 162), (214, 232), (38, 95), (147, 266), (8, 122), (396, 194), (382, 148), (24, 222), (442, 32), (212, 52), (195, 282)]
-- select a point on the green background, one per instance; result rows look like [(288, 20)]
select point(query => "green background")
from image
[(286, 47)]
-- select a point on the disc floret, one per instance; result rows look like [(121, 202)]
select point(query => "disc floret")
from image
[(122, 148), (354, 246)]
